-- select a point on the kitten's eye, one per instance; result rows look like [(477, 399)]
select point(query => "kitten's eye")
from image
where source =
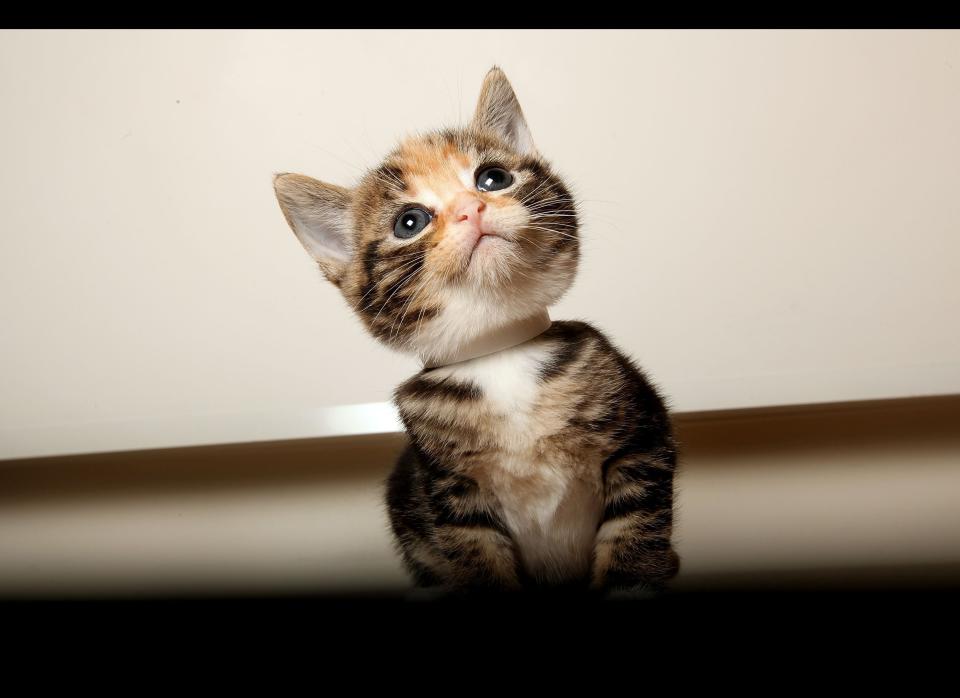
[(494, 179), (411, 222)]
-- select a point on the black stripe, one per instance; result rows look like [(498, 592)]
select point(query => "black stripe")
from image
[(431, 465), (444, 435), (656, 495), (624, 505), (426, 313), (562, 242), (405, 493), (454, 390), (456, 486), (569, 330), (370, 256), (560, 359), (646, 442), (627, 449), (476, 518), (644, 545)]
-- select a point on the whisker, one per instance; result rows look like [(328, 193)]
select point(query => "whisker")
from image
[(405, 281), (392, 285), (558, 228), (400, 256), (556, 197), (529, 196), (550, 202), (551, 209), (408, 305), (530, 241), (554, 232), (375, 286)]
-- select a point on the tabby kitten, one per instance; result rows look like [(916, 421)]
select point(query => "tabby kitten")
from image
[(539, 455)]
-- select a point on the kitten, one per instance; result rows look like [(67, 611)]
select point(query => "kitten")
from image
[(539, 455)]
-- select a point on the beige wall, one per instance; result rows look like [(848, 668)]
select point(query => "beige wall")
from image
[(847, 495), (770, 217)]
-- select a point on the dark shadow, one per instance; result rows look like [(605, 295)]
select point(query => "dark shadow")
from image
[(200, 469), (914, 422)]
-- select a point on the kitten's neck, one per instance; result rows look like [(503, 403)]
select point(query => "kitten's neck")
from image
[(492, 341)]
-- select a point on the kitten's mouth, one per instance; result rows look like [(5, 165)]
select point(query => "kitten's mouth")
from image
[(489, 237)]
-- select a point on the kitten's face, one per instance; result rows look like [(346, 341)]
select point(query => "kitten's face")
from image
[(454, 234)]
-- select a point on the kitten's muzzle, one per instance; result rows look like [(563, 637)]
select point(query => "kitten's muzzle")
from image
[(467, 208), (470, 223)]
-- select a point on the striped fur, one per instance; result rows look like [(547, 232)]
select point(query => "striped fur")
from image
[(549, 464), (571, 483)]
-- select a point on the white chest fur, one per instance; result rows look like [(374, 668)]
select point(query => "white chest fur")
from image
[(550, 503)]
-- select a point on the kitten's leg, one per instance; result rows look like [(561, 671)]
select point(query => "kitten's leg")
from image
[(632, 549), (448, 532), (480, 556)]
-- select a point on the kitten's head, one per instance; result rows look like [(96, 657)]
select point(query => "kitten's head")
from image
[(456, 233)]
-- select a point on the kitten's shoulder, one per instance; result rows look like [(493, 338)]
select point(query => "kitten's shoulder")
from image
[(571, 330), (582, 350), (574, 343), (578, 332)]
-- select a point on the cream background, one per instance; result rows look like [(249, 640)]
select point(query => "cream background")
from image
[(770, 217)]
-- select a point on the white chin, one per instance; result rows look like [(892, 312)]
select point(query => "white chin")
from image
[(488, 249), (491, 259)]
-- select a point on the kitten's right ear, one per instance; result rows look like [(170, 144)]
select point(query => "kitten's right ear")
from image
[(319, 215)]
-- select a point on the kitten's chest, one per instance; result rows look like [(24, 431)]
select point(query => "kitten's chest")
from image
[(508, 409), (513, 439)]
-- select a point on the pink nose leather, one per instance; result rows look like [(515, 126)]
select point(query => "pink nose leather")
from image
[(468, 208)]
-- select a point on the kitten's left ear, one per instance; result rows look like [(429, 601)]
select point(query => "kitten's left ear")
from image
[(499, 111)]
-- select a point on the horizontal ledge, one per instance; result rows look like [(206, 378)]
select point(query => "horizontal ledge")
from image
[(359, 420), (198, 430)]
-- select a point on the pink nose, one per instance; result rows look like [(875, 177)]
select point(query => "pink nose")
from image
[(468, 208)]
